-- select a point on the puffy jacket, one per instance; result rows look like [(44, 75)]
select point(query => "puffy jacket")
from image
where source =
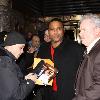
[(13, 86)]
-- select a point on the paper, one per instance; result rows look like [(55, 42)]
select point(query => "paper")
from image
[(46, 73)]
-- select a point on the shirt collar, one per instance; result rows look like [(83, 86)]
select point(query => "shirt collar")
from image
[(91, 45)]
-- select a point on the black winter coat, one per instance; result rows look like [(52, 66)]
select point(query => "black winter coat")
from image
[(67, 58), (13, 86)]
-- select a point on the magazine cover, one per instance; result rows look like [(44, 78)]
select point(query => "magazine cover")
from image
[(44, 68)]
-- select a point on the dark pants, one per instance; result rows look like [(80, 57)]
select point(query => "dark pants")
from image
[(42, 93)]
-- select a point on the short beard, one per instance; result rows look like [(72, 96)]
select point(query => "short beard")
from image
[(56, 43)]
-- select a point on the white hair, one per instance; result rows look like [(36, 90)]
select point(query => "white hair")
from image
[(93, 18)]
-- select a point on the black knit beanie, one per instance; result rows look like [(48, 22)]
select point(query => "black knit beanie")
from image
[(14, 38)]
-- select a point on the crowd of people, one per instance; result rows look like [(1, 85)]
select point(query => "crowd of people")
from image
[(78, 76)]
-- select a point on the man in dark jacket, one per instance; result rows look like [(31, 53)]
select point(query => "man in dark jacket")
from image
[(13, 86), (88, 77), (66, 55)]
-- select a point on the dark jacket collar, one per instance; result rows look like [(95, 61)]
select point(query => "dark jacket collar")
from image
[(4, 52), (95, 46), (64, 42)]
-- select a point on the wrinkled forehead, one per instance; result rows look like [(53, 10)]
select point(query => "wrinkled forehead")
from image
[(55, 24), (87, 20), (17, 46), (20, 45), (87, 23)]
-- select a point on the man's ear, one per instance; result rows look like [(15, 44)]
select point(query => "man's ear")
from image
[(97, 31)]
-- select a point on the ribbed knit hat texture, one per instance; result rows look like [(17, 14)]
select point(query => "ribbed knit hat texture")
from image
[(14, 38)]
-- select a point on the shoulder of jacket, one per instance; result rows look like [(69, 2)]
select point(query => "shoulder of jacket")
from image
[(5, 59)]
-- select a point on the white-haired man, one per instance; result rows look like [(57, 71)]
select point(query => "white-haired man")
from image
[(88, 78)]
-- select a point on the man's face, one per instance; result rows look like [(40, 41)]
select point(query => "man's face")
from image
[(36, 41), (29, 35), (46, 36), (17, 50), (87, 32), (56, 31)]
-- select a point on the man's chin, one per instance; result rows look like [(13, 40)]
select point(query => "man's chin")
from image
[(84, 43), (56, 40), (17, 56)]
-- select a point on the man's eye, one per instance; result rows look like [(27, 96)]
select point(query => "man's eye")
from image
[(60, 28), (51, 29)]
